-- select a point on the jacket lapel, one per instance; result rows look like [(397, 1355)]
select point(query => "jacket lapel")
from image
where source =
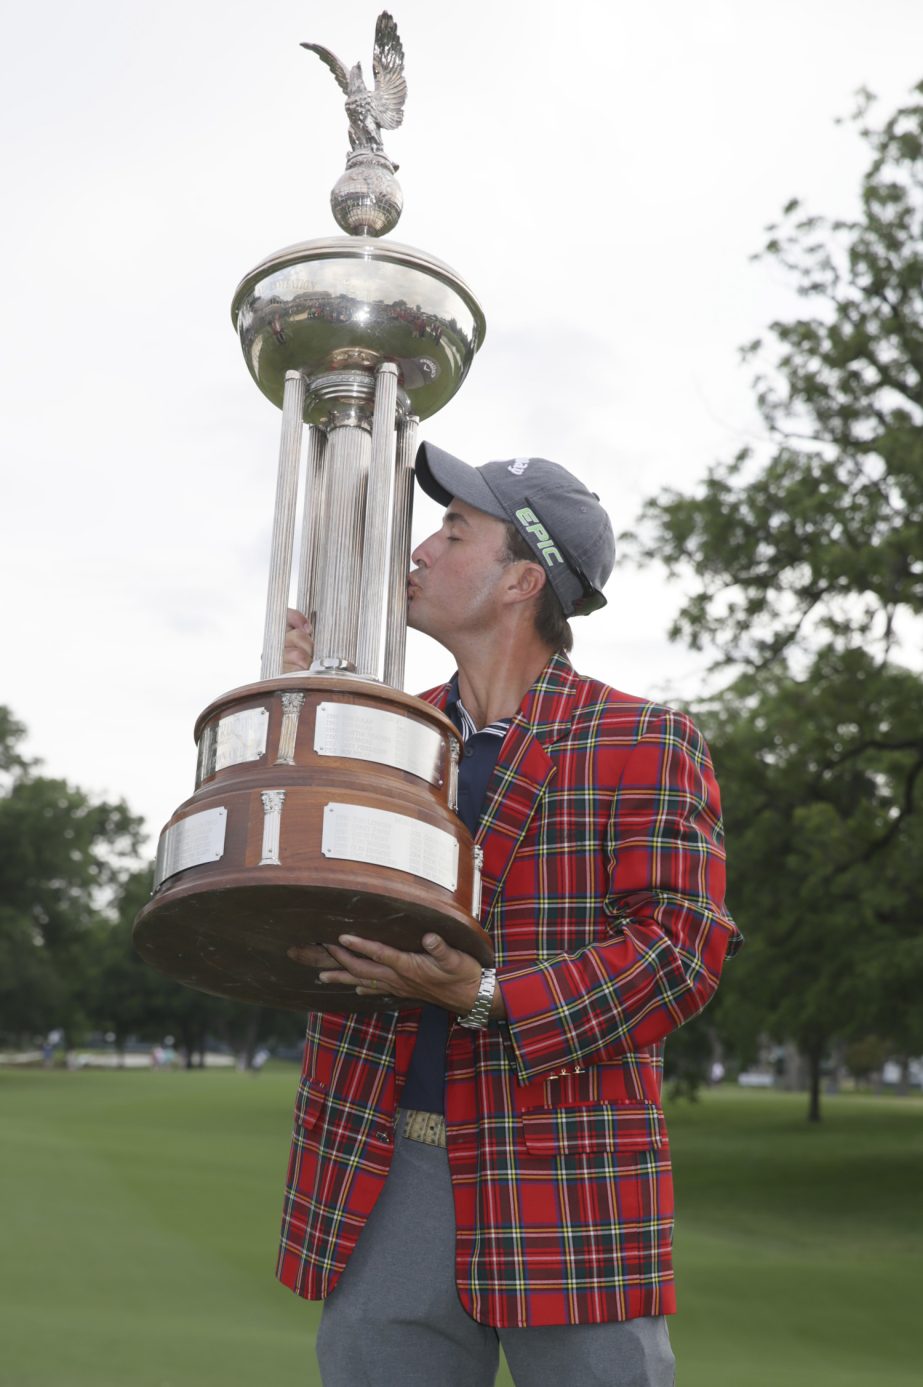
[(522, 771)]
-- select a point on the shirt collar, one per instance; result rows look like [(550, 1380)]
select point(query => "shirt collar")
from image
[(463, 720)]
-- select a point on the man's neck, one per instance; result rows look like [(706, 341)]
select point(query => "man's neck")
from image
[(492, 684)]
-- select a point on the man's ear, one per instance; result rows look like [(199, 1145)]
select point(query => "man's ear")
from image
[(526, 581)]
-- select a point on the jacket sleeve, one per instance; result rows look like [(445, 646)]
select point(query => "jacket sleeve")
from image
[(664, 915)]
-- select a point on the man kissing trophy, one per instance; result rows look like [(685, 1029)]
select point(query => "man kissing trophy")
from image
[(479, 1155)]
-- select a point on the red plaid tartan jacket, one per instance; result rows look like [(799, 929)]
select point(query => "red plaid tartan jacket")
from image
[(603, 886)]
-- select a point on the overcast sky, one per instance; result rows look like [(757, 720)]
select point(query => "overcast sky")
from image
[(599, 173)]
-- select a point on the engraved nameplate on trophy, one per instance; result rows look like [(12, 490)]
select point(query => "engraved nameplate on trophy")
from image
[(190, 842), (372, 734), (227, 742), (476, 890), (390, 840)]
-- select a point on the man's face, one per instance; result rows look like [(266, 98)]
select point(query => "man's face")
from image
[(455, 588)]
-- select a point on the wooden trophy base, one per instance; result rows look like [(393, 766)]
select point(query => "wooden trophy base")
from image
[(324, 805), (232, 940)]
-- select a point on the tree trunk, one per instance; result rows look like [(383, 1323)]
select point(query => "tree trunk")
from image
[(793, 1075), (251, 1036), (185, 1044), (836, 1067)]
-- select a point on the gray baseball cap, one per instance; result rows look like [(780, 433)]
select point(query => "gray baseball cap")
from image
[(562, 521)]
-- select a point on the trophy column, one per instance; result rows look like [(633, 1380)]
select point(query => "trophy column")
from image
[(396, 642), (283, 529)]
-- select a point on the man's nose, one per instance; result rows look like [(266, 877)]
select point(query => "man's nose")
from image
[(421, 555)]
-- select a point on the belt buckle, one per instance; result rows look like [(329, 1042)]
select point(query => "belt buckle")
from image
[(426, 1127)]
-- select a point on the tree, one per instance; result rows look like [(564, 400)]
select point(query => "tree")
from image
[(820, 542), (128, 997), (119, 992), (806, 564), (821, 856), (70, 889), (63, 859)]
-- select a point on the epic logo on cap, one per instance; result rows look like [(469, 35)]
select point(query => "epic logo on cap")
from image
[(518, 467), (549, 551)]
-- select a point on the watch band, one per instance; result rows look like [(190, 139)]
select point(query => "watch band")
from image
[(479, 1015)]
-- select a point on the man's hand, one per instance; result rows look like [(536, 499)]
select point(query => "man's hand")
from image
[(312, 956), (441, 974), (298, 651)]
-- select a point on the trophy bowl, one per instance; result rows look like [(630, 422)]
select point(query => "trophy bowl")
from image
[(349, 303)]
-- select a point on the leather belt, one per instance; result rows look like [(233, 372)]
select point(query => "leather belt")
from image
[(428, 1127)]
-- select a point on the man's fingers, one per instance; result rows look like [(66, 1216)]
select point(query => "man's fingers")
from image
[(298, 652), (447, 960), (371, 949), (297, 621), (297, 656), (310, 955), (366, 968), (434, 973), (435, 950), (344, 979)]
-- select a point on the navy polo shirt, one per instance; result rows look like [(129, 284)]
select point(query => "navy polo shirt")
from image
[(425, 1084)]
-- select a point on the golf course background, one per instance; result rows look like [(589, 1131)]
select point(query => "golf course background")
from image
[(140, 1213)]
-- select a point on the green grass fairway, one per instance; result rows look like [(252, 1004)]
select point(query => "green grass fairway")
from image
[(140, 1213), (799, 1248)]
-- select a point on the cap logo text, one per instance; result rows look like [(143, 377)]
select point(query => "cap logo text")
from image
[(518, 467), (549, 552)]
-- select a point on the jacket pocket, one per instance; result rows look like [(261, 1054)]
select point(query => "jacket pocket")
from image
[(311, 1098), (594, 1127)]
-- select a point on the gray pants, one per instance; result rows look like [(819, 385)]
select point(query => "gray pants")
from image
[(395, 1320)]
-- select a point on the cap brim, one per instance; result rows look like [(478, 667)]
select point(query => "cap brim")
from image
[(442, 477)]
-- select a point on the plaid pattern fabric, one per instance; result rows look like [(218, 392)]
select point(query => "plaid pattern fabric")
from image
[(603, 886)]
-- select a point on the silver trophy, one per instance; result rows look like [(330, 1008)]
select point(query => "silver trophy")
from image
[(324, 802)]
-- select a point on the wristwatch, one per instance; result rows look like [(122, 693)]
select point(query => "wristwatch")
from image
[(479, 1015)]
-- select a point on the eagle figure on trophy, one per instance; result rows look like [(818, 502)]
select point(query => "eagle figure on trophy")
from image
[(371, 111), (367, 199)]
